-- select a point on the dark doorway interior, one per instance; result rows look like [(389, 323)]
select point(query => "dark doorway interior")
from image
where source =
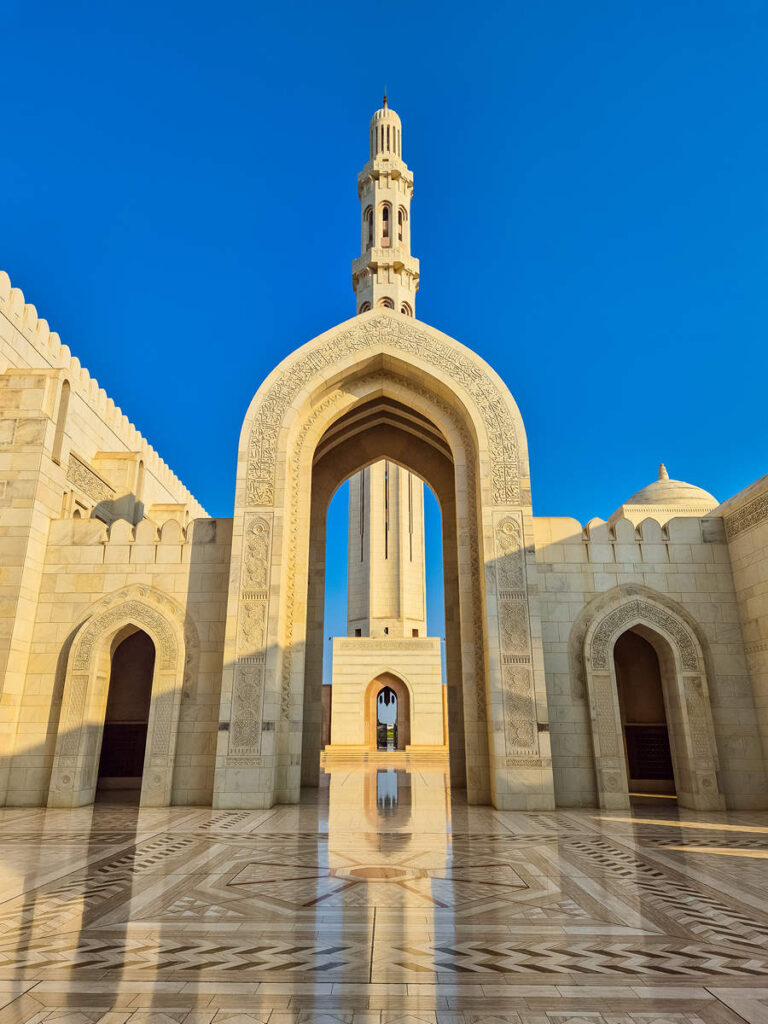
[(650, 772), (125, 725)]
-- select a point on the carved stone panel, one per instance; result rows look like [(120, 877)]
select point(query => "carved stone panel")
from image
[(510, 570), (246, 707), (605, 715), (638, 611), (410, 340), (82, 477), (519, 707), (518, 703)]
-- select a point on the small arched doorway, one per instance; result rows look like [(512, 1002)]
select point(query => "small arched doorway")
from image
[(121, 763), (386, 719), (687, 713), (647, 750), (387, 714)]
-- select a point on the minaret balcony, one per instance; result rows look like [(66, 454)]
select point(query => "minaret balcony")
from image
[(374, 169), (377, 257)]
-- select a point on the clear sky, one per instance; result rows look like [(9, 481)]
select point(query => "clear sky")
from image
[(178, 199)]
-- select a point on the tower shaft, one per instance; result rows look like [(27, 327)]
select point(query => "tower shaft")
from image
[(386, 578)]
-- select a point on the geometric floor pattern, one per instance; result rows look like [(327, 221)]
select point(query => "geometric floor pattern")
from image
[(382, 898)]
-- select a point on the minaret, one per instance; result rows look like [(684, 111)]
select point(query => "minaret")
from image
[(385, 274), (386, 581)]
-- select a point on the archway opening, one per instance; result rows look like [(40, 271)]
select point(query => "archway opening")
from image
[(387, 715), (645, 728), (124, 739), (383, 492)]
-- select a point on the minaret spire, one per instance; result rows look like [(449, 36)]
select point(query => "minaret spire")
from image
[(385, 274)]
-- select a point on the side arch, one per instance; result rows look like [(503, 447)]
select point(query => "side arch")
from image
[(686, 696), (86, 686)]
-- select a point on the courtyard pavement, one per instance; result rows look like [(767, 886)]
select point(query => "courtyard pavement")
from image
[(382, 898)]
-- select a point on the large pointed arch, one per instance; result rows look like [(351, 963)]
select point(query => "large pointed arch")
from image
[(86, 685), (354, 391), (686, 694)]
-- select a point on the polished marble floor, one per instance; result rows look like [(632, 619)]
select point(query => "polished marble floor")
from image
[(382, 898)]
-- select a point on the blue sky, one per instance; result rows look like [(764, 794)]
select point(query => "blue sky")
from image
[(178, 191)]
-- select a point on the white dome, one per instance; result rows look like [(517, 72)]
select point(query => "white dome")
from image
[(665, 499)]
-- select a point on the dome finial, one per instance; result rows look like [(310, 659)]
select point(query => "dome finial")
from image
[(385, 97), (663, 474)]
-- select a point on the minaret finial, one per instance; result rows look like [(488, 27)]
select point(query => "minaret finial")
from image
[(663, 474), (385, 97)]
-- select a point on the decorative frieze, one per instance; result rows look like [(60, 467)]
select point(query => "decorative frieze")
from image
[(84, 478), (407, 338), (749, 515), (636, 611)]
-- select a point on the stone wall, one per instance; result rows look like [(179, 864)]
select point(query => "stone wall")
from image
[(746, 523), (686, 562), (65, 450), (85, 560)]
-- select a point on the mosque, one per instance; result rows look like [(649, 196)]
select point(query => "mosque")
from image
[(149, 652)]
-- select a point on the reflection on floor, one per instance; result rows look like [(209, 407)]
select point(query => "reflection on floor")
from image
[(382, 898)]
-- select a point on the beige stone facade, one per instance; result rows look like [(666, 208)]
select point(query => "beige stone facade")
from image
[(99, 540)]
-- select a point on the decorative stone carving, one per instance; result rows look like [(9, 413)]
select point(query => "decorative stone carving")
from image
[(253, 623), (137, 613), (697, 723), (72, 715), (637, 611), (605, 715), (256, 557), (87, 481), (519, 707), (510, 571), (513, 623), (749, 515), (411, 340), (246, 708)]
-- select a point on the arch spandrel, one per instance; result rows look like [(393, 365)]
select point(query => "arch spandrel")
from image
[(456, 368), (86, 684)]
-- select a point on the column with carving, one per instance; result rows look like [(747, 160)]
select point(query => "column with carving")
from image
[(521, 751)]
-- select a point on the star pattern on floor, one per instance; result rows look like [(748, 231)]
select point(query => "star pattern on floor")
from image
[(435, 913)]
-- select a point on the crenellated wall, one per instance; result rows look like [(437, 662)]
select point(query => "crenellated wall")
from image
[(65, 450), (687, 564), (86, 560), (26, 342)]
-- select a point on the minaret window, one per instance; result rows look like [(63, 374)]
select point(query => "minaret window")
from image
[(368, 218), (406, 309), (385, 226), (386, 302), (401, 215), (364, 307)]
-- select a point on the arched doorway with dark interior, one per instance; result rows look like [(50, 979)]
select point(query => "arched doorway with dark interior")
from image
[(645, 727), (124, 739)]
